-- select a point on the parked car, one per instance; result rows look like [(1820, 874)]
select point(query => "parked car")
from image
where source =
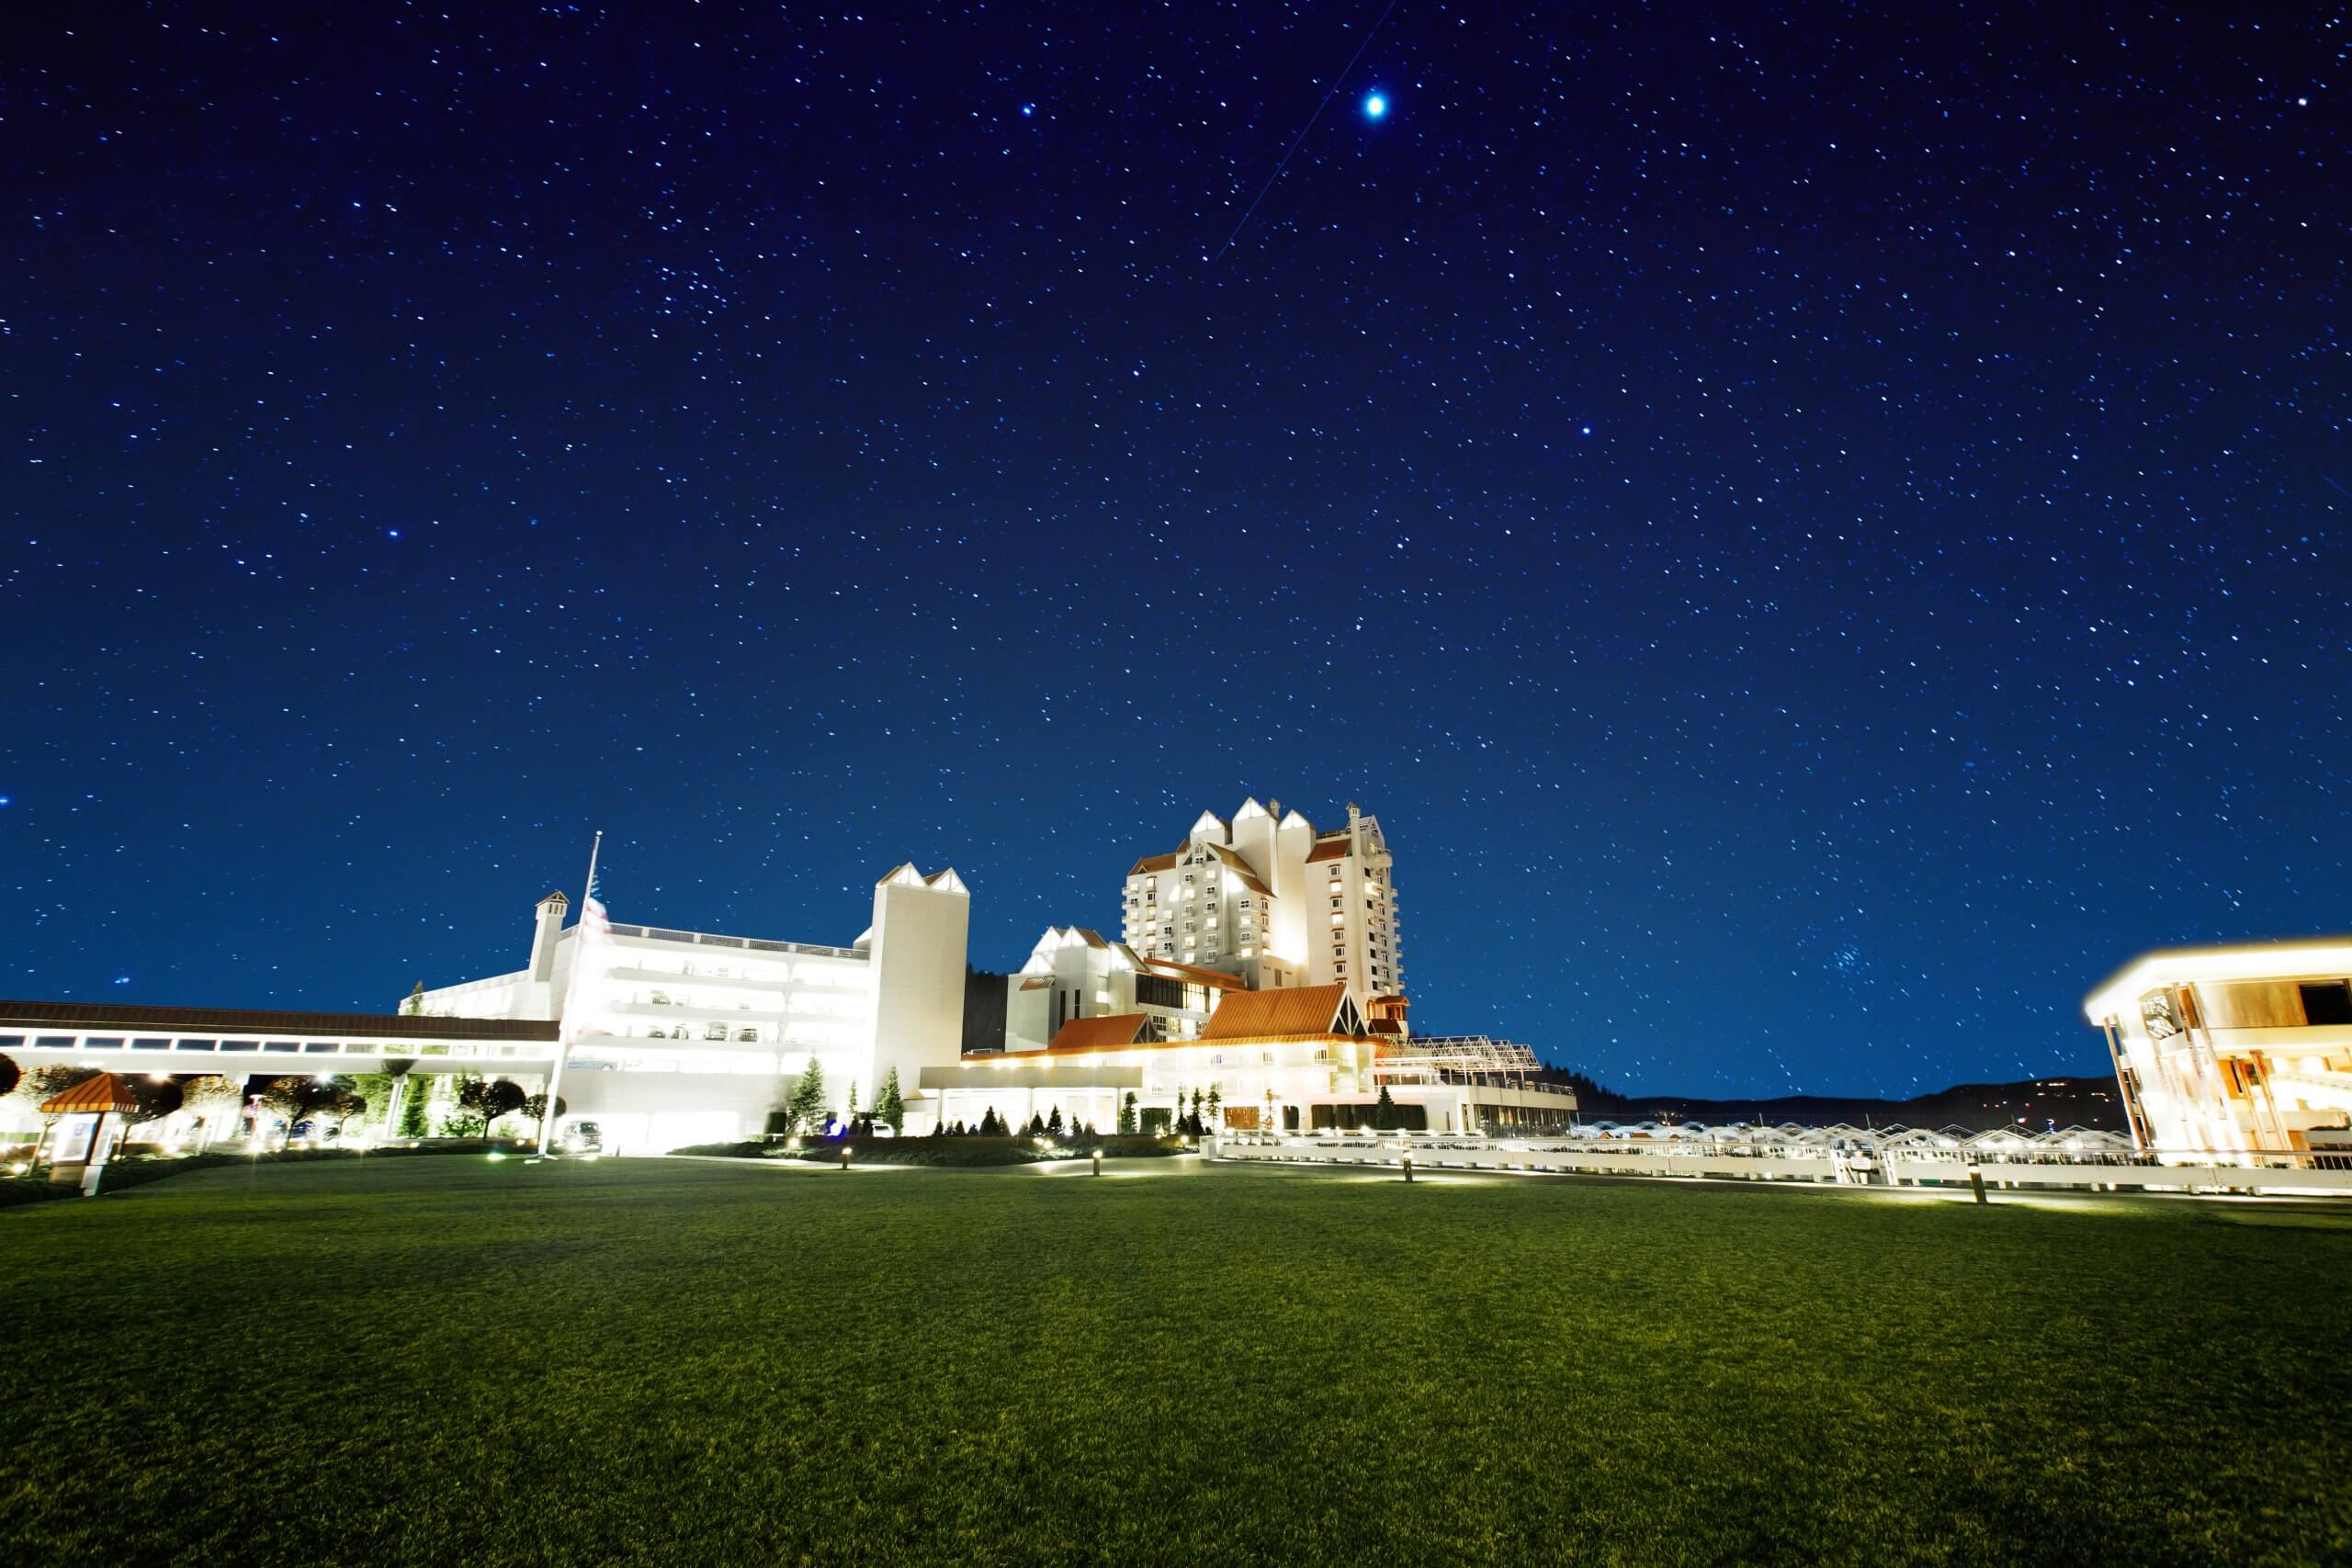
[(582, 1140)]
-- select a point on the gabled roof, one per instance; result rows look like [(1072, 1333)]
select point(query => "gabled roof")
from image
[(941, 881), (1314, 1011), (1151, 863), (1242, 868), (104, 1092), (1328, 849), (1097, 1033)]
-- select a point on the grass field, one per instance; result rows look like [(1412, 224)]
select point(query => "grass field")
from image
[(665, 1363)]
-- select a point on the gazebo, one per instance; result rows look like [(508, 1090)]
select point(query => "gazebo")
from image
[(97, 1098)]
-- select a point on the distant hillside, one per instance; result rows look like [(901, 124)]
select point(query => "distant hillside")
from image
[(1979, 1107)]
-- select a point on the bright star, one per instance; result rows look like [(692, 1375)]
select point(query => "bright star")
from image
[(1375, 106)]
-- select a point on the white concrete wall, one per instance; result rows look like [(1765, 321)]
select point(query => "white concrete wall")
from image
[(918, 945)]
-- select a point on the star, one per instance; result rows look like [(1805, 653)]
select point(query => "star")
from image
[(1375, 106)]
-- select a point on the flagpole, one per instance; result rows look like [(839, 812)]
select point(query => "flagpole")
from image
[(571, 989)]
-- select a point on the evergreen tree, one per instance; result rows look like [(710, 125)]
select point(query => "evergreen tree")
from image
[(415, 1002), (1127, 1112), (1054, 1124), (890, 1105), (1215, 1099), (989, 1126), (412, 1118), (1384, 1111), (808, 1102)]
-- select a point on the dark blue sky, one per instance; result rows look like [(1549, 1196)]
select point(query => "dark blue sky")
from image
[(1818, 533)]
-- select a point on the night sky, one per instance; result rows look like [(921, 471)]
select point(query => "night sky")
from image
[(1818, 534)]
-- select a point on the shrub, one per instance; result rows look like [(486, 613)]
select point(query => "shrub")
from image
[(743, 1148)]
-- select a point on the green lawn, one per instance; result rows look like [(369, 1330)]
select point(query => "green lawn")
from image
[(451, 1361)]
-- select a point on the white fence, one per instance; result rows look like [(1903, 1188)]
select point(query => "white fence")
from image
[(1940, 1168)]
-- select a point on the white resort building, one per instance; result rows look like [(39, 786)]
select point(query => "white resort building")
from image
[(1074, 973), (1269, 898), (1258, 984), (2233, 1052), (688, 1037)]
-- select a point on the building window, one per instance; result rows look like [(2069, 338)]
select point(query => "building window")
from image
[(748, 1037), (2328, 1002), (714, 1031)]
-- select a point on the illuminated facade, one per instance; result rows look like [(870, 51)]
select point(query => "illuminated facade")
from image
[(1074, 973), (686, 1037), (1261, 968), (1269, 898), (2233, 1051), (1292, 1059)]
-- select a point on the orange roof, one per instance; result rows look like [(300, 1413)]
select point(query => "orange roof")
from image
[(1258, 1015), (1168, 968), (1240, 867), (1153, 862), (104, 1092), (1328, 849), (1098, 1033)]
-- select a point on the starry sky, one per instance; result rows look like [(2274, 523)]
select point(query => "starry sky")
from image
[(1818, 532)]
